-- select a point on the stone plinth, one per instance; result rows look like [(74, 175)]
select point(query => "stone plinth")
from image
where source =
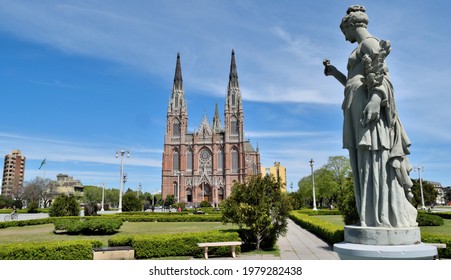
[(382, 236), (371, 243), (350, 251)]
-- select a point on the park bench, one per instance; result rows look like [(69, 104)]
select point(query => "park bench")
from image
[(438, 246), (114, 253), (232, 245)]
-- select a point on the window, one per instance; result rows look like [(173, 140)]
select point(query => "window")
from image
[(220, 160), (233, 126), (189, 160), (175, 161), (234, 161), (176, 128)]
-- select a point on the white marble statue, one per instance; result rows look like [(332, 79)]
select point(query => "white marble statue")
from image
[(372, 132)]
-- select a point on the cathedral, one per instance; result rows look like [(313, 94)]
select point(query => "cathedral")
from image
[(204, 164)]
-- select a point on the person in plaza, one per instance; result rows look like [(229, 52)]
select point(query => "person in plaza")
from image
[(372, 131)]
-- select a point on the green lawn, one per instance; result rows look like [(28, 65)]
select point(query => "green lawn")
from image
[(42, 233), (445, 229)]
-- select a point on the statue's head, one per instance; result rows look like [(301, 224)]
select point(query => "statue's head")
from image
[(355, 17)]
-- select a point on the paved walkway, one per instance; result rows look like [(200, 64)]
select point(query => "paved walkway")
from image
[(298, 244)]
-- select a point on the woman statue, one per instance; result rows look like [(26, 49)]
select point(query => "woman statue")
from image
[(372, 131)]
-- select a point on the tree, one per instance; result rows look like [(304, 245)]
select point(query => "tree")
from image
[(92, 196), (429, 193), (39, 189), (448, 194), (64, 206), (340, 167), (258, 204), (130, 202)]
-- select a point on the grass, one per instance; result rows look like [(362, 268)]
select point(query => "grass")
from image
[(43, 233)]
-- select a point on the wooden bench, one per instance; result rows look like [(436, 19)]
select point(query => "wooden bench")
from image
[(232, 245)]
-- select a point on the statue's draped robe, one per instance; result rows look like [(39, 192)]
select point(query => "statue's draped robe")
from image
[(378, 151)]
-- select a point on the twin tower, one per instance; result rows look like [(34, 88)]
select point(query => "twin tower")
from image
[(203, 165)]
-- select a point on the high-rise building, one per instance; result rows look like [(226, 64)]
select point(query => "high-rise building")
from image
[(13, 174), (203, 165), (279, 172)]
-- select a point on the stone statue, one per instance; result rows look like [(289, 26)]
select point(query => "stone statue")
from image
[(372, 132)]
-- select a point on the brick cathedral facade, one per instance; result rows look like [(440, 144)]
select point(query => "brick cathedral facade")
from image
[(205, 163)]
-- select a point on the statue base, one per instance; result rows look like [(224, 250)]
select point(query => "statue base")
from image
[(374, 243), (382, 236)]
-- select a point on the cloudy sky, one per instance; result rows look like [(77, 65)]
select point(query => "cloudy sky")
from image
[(82, 79)]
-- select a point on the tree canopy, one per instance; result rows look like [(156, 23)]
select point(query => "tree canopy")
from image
[(259, 205)]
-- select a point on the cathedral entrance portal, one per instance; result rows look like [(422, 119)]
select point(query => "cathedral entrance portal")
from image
[(204, 192)]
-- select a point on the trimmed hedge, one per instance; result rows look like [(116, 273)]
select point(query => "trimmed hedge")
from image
[(436, 238), (87, 226), (444, 215), (135, 217), (424, 219), (178, 244), (56, 250), (169, 218), (312, 212), (333, 234), (329, 232)]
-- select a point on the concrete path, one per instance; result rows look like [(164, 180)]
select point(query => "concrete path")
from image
[(298, 244)]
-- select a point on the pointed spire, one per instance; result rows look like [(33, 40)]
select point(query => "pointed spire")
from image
[(178, 81), (217, 121), (233, 76)]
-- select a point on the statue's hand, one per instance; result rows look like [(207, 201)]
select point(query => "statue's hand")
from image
[(328, 68), (372, 110)]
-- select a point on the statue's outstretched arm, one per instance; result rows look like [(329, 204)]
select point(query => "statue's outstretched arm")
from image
[(330, 70)]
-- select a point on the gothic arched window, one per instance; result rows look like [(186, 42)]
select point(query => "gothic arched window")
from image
[(176, 128), (233, 126), (234, 161), (189, 160), (175, 161), (220, 160)]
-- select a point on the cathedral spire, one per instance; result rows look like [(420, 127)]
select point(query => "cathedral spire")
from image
[(178, 93), (178, 81), (217, 121), (233, 76)]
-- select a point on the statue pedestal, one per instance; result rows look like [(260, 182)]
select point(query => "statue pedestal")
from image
[(370, 243)]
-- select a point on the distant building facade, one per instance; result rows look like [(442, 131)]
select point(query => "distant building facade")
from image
[(67, 185), (203, 165), (13, 174), (279, 172)]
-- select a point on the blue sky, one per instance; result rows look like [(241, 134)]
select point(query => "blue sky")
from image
[(82, 79)]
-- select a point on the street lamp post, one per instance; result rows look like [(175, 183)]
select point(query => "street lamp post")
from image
[(121, 153), (103, 197), (313, 185), (178, 185), (421, 169)]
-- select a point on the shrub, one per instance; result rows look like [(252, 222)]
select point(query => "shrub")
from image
[(204, 204), (33, 207), (179, 244), (91, 209), (439, 238), (88, 227), (130, 202), (55, 250), (64, 206), (347, 206), (424, 219), (329, 232)]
